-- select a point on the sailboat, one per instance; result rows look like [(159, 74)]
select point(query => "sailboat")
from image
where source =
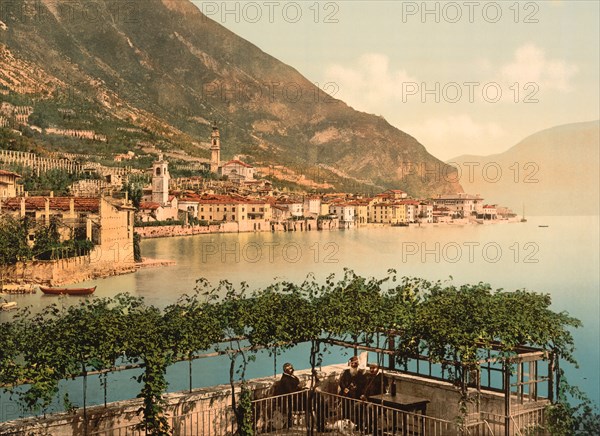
[(523, 219)]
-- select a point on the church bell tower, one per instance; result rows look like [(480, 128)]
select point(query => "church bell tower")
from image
[(160, 181), (215, 149)]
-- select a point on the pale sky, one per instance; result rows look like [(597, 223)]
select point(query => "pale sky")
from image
[(465, 77)]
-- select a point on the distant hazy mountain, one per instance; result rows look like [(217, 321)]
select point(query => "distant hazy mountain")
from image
[(552, 172), (159, 71)]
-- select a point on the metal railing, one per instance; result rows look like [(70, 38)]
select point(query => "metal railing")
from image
[(324, 412), (216, 421), (526, 423)]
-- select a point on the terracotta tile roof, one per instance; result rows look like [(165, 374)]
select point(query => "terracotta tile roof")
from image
[(81, 204), (8, 173), (149, 205), (237, 162)]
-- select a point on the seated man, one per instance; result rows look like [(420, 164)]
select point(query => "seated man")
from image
[(375, 384), (288, 384)]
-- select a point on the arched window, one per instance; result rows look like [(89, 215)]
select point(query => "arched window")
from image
[(158, 171)]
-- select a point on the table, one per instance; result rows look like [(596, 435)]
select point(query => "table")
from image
[(404, 403)]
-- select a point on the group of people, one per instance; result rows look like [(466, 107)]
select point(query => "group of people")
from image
[(354, 384), (358, 384)]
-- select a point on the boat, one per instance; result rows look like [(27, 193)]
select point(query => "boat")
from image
[(543, 225), (67, 291), (17, 289), (9, 305), (523, 219)]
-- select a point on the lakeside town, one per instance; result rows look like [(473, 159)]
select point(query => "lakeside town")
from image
[(107, 210)]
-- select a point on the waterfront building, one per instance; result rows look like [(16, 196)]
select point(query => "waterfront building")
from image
[(106, 221), (388, 213), (248, 214), (425, 212), (312, 206), (462, 205), (361, 211), (489, 212), (345, 213), (295, 207), (410, 210)]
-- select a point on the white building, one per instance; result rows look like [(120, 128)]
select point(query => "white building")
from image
[(238, 171), (312, 206), (461, 205), (160, 181), (345, 213)]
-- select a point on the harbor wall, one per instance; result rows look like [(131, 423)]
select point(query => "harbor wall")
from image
[(69, 270)]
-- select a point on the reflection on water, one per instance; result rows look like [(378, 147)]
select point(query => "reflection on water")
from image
[(561, 259)]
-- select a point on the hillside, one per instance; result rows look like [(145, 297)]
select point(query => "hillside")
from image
[(552, 172), (159, 72)]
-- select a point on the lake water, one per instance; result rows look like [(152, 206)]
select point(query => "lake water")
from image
[(561, 259)]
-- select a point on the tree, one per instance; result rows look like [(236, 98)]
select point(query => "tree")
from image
[(144, 341), (13, 241), (192, 325), (47, 240)]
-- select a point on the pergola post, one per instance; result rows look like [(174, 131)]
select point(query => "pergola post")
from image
[(391, 356), (506, 371), (551, 378)]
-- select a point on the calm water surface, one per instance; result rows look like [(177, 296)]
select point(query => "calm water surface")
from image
[(561, 259)]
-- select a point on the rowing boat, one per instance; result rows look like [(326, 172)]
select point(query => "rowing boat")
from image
[(67, 291)]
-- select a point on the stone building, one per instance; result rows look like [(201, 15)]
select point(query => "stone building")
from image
[(8, 184), (107, 222), (462, 205)]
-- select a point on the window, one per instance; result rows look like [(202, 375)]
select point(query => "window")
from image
[(158, 171)]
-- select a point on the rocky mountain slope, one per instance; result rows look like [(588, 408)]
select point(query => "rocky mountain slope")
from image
[(159, 72)]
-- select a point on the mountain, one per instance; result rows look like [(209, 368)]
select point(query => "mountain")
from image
[(159, 72), (552, 172)]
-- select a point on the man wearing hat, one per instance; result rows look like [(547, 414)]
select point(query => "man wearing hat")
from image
[(375, 384)]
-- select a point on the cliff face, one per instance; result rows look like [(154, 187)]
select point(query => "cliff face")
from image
[(163, 67), (552, 172)]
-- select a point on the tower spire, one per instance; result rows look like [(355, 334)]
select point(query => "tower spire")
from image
[(215, 148)]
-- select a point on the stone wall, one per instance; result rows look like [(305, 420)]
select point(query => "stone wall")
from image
[(64, 271), (207, 411), (234, 227)]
